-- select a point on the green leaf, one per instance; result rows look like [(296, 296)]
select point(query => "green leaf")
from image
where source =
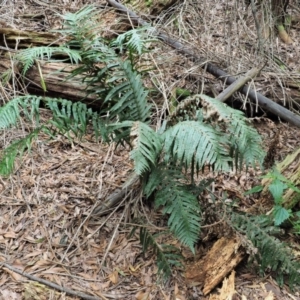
[(255, 189), (280, 215), (195, 144), (277, 188), (183, 210)]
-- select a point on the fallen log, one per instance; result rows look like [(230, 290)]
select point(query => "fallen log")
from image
[(253, 95), (56, 79), (25, 39)]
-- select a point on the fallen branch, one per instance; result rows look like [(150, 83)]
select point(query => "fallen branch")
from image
[(51, 284), (253, 95), (239, 83)]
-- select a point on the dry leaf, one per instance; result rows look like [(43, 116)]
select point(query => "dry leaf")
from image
[(142, 295), (114, 277), (270, 296), (14, 275)]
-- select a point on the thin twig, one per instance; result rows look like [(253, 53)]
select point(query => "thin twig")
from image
[(52, 284)]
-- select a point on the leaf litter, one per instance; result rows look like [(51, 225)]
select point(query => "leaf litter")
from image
[(47, 229)]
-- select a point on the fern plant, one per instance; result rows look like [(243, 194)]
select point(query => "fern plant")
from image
[(212, 135), (272, 254)]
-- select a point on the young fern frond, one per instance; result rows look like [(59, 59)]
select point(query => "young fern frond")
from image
[(81, 26), (146, 145), (29, 55), (134, 40)]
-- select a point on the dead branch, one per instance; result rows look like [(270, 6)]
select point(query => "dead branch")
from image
[(51, 284), (253, 95), (235, 86)]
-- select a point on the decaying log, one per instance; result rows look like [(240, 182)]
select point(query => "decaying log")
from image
[(24, 39), (254, 96), (55, 76), (222, 258)]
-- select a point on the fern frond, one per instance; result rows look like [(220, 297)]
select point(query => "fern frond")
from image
[(244, 141), (66, 116), (135, 40), (29, 55), (183, 209), (146, 145), (8, 156), (167, 256), (272, 254), (10, 112), (129, 95), (195, 144)]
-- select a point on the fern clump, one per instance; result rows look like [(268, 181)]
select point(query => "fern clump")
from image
[(212, 139), (210, 134)]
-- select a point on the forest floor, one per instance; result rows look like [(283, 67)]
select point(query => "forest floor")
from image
[(47, 228)]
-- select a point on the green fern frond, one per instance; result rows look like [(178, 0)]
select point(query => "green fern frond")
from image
[(273, 255), (183, 209), (10, 112), (146, 145), (244, 141), (17, 148), (66, 116), (29, 55), (135, 40), (195, 144), (131, 95), (80, 25)]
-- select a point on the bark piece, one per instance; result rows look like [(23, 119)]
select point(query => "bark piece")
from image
[(223, 257)]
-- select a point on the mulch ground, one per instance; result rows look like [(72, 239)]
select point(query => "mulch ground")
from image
[(47, 226)]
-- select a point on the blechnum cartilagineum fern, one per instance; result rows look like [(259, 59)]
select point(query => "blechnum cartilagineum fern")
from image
[(215, 135)]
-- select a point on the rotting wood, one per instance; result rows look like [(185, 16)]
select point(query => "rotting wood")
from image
[(222, 258), (55, 77), (253, 95), (25, 39), (238, 84)]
